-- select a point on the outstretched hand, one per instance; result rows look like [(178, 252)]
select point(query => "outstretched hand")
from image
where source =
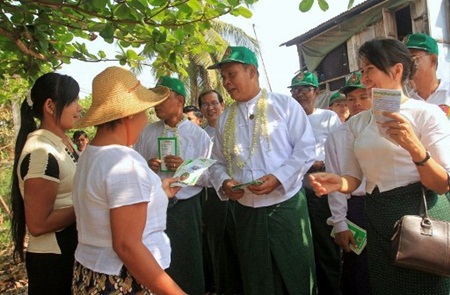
[(325, 183), (170, 191)]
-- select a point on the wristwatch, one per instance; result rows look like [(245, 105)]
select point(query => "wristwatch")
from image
[(422, 163)]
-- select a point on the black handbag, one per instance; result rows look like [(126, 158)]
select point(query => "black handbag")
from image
[(422, 243)]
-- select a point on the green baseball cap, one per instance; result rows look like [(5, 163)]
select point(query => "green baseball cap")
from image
[(352, 82), (421, 42), (336, 96), (304, 79), (173, 84), (238, 54)]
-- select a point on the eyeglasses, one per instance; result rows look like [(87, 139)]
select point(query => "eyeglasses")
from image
[(301, 90), (213, 104), (418, 56)]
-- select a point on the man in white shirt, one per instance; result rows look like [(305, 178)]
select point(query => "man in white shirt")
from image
[(265, 138), (355, 269), (184, 211), (427, 86), (305, 90)]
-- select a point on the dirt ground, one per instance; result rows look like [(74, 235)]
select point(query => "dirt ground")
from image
[(13, 277)]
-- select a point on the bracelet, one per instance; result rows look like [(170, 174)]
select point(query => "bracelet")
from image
[(422, 163)]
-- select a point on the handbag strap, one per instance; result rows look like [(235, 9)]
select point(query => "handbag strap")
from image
[(426, 227)]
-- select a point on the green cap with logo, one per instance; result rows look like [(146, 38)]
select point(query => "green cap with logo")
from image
[(238, 54), (352, 82), (173, 84), (304, 79), (422, 42), (335, 97)]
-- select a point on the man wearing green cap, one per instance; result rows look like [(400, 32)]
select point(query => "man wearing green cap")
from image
[(427, 86), (355, 273), (184, 140), (304, 89), (338, 104), (264, 143)]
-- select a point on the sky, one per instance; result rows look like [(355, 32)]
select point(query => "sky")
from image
[(275, 22)]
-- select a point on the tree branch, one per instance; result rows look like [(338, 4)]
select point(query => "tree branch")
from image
[(22, 47)]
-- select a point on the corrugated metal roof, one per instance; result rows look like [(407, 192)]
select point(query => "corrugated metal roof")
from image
[(332, 22)]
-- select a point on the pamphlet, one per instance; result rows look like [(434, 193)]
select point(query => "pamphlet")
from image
[(244, 185), (167, 146), (385, 100), (190, 171), (359, 234)]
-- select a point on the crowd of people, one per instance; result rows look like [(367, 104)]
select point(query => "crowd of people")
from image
[(270, 216)]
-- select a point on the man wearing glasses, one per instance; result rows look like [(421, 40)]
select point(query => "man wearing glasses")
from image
[(304, 89), (218, 216), (427, 86)]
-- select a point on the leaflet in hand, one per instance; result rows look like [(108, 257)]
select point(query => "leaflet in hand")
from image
[(167, 146), (359, 235), (190, 171), (244, 185), (385, 100)]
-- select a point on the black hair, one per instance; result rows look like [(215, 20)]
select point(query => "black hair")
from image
[(79, 133), (385, 53), (219, 96), (62, 90), (194, 109)]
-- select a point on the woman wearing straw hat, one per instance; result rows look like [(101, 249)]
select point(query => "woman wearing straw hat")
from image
[(119, 202), (41, 192)]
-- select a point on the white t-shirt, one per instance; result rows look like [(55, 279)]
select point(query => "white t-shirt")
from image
[(386, 164), (110, 177)]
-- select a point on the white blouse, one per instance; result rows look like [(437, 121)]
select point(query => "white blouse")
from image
[(386, 164)]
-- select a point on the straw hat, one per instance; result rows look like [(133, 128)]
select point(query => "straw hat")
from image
[(116, 94)]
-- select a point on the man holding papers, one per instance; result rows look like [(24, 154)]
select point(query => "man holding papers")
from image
[(267, 137), (166, 144)]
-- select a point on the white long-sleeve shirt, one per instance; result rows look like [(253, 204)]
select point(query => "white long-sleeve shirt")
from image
[(290, 154), (334, 163), (193, 142)]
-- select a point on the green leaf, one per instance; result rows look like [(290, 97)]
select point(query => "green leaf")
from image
[(122, 11), (157, 3), (108, 31), (185, 8), (305, 5), (195, 5), (101, 54), (99, 4), (96, 27), (66, 38), (323, 5), (242, 11)]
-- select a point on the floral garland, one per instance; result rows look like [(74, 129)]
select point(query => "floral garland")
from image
[(174, 130), (231, 150)]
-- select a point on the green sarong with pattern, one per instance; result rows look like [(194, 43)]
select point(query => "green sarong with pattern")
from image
[(381, 212), (184, 230), (275, 248)]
